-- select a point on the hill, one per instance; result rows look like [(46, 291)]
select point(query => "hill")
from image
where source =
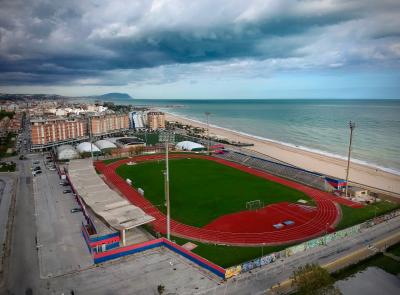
[(115, 95)]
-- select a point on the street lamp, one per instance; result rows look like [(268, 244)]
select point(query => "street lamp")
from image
[(90, 135), (352, 125), (208, 131)]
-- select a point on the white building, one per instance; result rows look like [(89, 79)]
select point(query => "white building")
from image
[(137, 120)]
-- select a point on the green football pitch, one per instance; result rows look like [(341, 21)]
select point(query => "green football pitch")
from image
[(202, 190)]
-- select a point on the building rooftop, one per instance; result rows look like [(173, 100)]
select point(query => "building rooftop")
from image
[(107, 204)]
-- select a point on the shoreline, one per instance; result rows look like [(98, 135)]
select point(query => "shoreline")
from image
[(333, 165)]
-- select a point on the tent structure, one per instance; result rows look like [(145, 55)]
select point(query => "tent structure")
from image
[(190, 146), (87, 147), (104, 144), (66, 152)]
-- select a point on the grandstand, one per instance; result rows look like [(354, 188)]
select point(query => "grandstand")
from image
[(283, 170)]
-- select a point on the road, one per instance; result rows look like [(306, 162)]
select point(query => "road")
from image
[(23, 273), (6, 196), (259, 280)]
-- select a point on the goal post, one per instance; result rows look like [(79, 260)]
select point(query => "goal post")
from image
[(254, 205)]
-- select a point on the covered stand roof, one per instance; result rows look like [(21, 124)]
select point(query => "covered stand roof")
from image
[(106, 203)]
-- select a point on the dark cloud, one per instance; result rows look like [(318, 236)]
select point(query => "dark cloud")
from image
[(46, 42)]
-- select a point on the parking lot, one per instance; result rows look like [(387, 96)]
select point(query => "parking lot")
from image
[(61, 248)]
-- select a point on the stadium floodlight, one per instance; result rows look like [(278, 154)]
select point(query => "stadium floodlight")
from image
[(167, 137), (352, 126)]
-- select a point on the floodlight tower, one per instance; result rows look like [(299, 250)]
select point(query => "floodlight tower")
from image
[(352, 126), (208, 131), (167, 137)]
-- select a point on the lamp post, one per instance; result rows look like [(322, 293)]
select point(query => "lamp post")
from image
[(352, 125), (208, 132), (167, 137), (90, 135)]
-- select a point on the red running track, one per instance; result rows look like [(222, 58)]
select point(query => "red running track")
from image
[(326, 215)]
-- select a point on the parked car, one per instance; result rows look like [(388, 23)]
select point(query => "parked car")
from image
[(65, 184), (37, 168), (36, 162), (67, 191), (76, 210), (52, 169), (38, 172), (62, 183)]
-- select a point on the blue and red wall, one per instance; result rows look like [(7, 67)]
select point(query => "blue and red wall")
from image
[(111, 241), (128, 250)]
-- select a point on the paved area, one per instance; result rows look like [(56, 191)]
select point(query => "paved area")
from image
[(61, 248), (23, 268), (137, 274), (6, 191)]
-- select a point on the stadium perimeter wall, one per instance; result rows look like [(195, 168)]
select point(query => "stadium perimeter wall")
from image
[(132, 249), (106, 242), (324, 240)]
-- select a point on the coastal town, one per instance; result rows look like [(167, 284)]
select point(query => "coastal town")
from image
[(83, 145)]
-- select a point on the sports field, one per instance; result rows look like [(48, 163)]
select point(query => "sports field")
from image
[(202, 191), (207, 192), (209, 198)]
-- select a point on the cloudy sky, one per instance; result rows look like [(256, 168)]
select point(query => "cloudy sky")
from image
[(202, 48)]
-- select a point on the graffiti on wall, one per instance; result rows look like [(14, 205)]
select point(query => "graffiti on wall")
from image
[(232, 271)]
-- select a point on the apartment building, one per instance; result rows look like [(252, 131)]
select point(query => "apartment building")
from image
[(49, 131), (156, 120), (108, 123)]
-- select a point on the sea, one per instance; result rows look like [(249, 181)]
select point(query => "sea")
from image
[(320, 126)]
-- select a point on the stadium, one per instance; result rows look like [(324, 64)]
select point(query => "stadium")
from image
[(228, 209), (216, 200)]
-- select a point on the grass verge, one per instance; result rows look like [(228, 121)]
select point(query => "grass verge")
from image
[(353, 216)]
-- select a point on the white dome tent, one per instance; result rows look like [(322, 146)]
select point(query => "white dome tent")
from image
[(66, 152), (105, 144), (87, 147), (189, 146)]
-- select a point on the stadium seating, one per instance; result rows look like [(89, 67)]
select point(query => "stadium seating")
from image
[(283, 170)]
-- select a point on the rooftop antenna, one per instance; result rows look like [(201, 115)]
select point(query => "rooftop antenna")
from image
[(352, 126)]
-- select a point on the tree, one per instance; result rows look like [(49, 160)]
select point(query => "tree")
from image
[(160, 289), (311, 279)]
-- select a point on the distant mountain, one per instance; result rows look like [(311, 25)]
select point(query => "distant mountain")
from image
[(115, 95)]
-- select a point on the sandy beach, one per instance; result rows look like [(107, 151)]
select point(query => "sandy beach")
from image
[(361, 174)]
